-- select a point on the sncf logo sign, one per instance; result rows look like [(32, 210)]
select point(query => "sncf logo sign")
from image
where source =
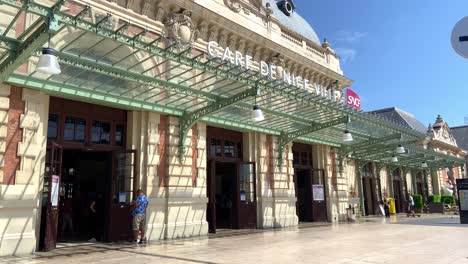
[(352, 99)]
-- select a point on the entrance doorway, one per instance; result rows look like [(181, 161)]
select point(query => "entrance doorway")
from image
[(309, 185), (225, 178), (86, 178), (86, 163), (231, 183), (369, 187), (398, 192)]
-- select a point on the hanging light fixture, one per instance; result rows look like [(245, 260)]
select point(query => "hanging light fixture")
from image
[(394, 158), (347, 137), (400, 149), (424, 164), (257, 114), (48, 62)]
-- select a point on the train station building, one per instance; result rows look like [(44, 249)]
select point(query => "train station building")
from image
[(229, 114)]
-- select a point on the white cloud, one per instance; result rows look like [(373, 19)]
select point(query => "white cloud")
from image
[(350, 36), (346, 54)]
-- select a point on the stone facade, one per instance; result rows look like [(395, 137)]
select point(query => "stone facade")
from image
[(19, 194)]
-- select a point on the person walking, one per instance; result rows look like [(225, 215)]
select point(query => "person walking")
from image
[(411, 206), (139, 217), (386, 206)]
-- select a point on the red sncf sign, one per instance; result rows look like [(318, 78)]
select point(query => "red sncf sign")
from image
[(352, 99)]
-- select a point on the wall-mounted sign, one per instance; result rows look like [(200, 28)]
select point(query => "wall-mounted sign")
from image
[(54, 192), (352, 99), (318, 192), (459, 38), (462, 188), (122, 197), (272, 71)]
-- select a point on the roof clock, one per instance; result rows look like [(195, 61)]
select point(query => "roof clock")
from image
[(287, 6)]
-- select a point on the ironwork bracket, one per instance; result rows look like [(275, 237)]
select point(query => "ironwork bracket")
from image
[(24, 50), (187, 120), (286, 138)]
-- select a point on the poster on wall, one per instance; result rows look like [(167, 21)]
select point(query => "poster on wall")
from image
[(54, 192), (318, 193)]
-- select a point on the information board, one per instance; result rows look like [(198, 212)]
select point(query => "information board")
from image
[(318, 192), (462, 189), (54, 192)]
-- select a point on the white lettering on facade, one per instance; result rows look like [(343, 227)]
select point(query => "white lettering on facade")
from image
[(270, 71), (227, 55), (238, 58), (247, 62)]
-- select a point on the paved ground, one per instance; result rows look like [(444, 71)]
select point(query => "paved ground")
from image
[(430, 239)]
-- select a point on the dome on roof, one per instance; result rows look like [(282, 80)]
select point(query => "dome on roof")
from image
[(292, 20)]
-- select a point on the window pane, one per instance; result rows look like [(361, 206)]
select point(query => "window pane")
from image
[(95, 132), (215, 148), (100, 132), (229, 149), (80, 128), (105, 133), (52, 127), (246, 183), (295, 158), (119, 135), (124, 165), (69, 129)]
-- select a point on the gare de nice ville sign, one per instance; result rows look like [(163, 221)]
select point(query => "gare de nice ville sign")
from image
[(271, 71)]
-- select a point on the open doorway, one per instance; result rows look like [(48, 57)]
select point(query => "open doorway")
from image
[(231, 183), (225, 174), (86, 178), (309, 185), (304, 195)]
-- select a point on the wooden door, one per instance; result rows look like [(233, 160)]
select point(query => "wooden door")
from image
[(50, 207), (247, 195), (318, 195), (397, 195), (211, 192), (123, 191), (370, 202)]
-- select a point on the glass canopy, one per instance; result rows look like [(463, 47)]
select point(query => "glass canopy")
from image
[(109, 60)]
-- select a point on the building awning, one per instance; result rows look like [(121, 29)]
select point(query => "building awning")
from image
[(109, 60)]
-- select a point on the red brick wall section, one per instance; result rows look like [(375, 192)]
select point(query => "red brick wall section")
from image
[(163, 169), (14, 135), (194, 154)]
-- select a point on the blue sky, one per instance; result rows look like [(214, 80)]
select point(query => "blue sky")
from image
[(397, 52)]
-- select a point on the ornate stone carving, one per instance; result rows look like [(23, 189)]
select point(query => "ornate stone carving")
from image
[(256, 3), (234, 5), (146, 8), (180, 29)]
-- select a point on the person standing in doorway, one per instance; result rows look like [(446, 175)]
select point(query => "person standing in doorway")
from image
[(93, 217), (139, 217), (67, 216)]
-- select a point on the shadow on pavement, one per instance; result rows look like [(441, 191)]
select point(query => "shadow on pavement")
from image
[(451, 221)]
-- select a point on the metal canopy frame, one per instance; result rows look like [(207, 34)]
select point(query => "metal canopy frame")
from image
[(109, 60)]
